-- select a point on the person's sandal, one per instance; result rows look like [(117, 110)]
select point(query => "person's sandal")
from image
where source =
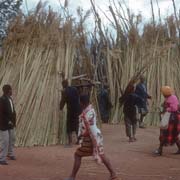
[(157, 152)]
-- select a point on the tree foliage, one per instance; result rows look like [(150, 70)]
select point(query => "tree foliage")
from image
[(8, 10)]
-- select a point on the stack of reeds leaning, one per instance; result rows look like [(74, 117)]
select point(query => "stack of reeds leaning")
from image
[(43, 44)]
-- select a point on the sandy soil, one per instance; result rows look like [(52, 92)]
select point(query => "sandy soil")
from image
[(132, 161)]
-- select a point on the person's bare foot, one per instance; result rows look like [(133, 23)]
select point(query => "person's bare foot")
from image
[(131, 139), (158, 152), (114, 178), (177, 152), (70, 178)]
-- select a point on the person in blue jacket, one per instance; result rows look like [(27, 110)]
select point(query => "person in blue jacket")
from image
[(141, 91)]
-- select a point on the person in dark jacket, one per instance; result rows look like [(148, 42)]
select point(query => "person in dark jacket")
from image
[(7, 125), (132, 100), (70, 96), (141, 91), (104, 104)]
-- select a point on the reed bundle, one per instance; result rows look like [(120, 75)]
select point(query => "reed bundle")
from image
[(42, 45), (38, 48), (153, 52)]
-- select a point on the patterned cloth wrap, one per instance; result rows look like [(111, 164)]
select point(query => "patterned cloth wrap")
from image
[(172, 134), (91, 143)]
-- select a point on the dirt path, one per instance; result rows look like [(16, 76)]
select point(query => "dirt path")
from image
[(133, 161)]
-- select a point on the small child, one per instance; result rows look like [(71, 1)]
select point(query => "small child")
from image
[(92, 140)]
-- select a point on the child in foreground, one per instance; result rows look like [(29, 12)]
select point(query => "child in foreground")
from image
[(92, 140)]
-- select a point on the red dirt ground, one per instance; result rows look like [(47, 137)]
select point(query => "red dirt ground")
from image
[(132, 161)]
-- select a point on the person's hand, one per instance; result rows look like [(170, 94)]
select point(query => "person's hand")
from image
[(179, 136), (79, 140), (162, 113), (62, 74)]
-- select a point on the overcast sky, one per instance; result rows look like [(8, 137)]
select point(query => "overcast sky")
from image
[(135, 6)]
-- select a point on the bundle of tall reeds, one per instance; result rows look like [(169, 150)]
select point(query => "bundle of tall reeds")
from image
[(152, 52), (38, 48), (42, 45)]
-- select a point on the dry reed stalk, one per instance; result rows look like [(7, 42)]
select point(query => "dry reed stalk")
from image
[(149, 54), (42, 45), (37, 50)]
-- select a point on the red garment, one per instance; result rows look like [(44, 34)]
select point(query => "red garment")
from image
[(171, 135), (88, 128)]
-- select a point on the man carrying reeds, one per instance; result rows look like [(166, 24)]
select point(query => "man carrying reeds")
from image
[(131, 101), (141, 91), (7, 125), (70, 97)]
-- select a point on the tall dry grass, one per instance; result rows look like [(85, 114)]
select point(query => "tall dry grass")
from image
[(153, 52), (42, 45), (39, 47)]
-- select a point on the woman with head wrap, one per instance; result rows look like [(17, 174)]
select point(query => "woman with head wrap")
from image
[(171, 134)]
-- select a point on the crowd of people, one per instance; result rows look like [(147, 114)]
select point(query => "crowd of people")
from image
[(82, 117), (135, 103)]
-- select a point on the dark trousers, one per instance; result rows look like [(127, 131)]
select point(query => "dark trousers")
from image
[(131, 124)]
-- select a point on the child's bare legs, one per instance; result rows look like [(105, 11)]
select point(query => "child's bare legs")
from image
[(76, 166), (108, 165)]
